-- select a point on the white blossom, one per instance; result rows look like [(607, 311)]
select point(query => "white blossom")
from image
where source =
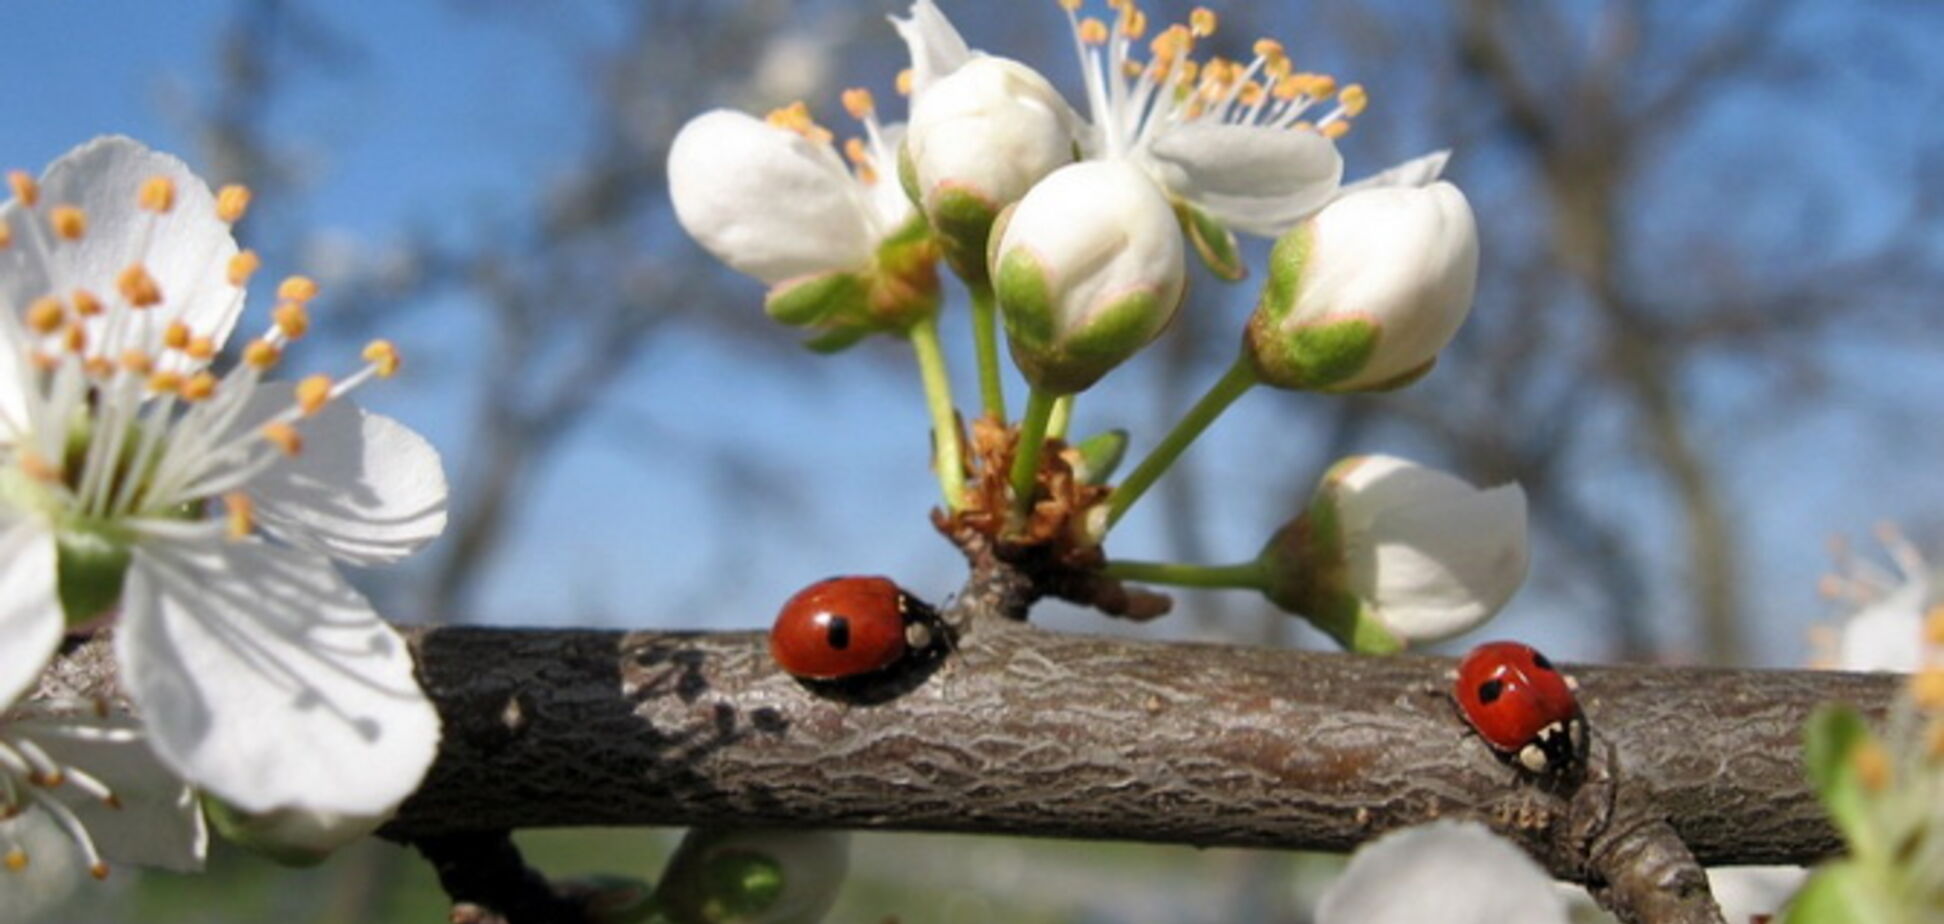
[(1451, 872)]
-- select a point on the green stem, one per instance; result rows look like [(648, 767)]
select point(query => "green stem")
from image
[(948, 457), (1056, 427), (1239, 378), (1032, 436), (985, 339), (1244, 575)]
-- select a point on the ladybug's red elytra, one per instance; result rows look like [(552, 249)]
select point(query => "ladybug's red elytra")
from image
[(850, 626), (1521, 705)]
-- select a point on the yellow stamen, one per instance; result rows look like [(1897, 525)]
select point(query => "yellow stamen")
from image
[(1927, 688), (241, 513), (75, 337), (16, 860), (1250, 94), (137, 362), (1069, 5), (1287, 88), (284, 437), (45, 315), (1316, 86), (24, 187), (261, 354), (1353, 99), (97, 367), (1133, 21), (35, 466), (243, 266), (313, 393), (1278, 68), (1202, 22), (176, 336), (858, 102), (796, 117), (1935, 745), (198, 387), (6, 235), (1131, 68), (1335, 130), (1872, 766), (297, 289), (292, 319), (157, 195), (202, 348), (1934, 625), (85, 303), (383, 356), (99, 870), (904, 82), (49, 780), (139, 287), (1093, 31), (232, 202), (164, 382), (69, 222), (1268, 48)]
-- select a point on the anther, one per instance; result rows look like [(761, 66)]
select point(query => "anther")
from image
[(232, 202), (1093, 31), (138, 287), (198, 387), (241, 514), (1335, 130), (243, 266), (1353, 99), (858, 102), (1202, 22), (24, 187), (99, 870), (1927, 689), (283, 436), (6, 235), (1133, 21), (201, 348), (1268, 48), (157, 195), (313, 393), (85, 303), (1069, 5), (292, 319), (297, 289), (904, 82), (97, 367), (74, 337), (176, 336), (136, 362), (383, 357), (70, 223), (16, 860), (165, 382), (35, 466), (1934, 625), (261, 354), (45, 315), (1872, 766)]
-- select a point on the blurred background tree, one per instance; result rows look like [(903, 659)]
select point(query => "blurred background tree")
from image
[(1705, 336)]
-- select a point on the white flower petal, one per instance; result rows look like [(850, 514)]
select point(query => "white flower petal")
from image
[(992, 128), (766, 200), (1444, 567), (1447, 871), (936, 47), (1422, 170), (1749, 892), (269, 681), (55, 867), (158, 823), (366, 488), (30, 610), (1255, 179), (187, 251), (14, 384), (1885, 635)]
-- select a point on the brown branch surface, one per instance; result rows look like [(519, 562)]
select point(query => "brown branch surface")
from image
[(1029, 732)]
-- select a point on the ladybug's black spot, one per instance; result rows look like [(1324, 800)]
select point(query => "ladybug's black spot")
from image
[(837, 632), (1488, 692), (1539, 661)]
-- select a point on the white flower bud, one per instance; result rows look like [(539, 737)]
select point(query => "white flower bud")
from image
[(1088, 269), (1362, 296), (1392, 553), (979, 138)]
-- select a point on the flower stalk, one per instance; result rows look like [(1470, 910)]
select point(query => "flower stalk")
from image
[(1239, 378), (948, 455), (1026, 456), (1248, 575), (985, 341)]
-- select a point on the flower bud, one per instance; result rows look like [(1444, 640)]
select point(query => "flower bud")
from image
[(979, 138), (1391, 553), (1362, 296), (1088, 269), (754, 876)]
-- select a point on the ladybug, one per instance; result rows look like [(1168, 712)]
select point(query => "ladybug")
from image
[(1521, 705), (846, 627)]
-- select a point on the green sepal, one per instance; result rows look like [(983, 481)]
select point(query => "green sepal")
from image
[(1100, 455), (908, 177), (1304, 569), (903, 285), (836, 340), (1831, 738), (1025, 300), (1311, 357), (815, 300), (962, 219), (251, 832), (1213, 241), (1842, 892), (1287, 260), (90, 567)]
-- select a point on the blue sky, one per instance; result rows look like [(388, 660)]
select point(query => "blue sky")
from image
[(446, 116)]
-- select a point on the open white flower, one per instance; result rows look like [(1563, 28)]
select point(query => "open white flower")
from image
[(1452, 872), (1392, 553), (80, 790), (205, 509), (841, 247), (1883, 625)]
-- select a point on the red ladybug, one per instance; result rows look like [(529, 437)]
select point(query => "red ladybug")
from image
[(845, 627), (1521, 705)]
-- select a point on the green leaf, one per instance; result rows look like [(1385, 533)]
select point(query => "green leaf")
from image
[(1100, 455), (1834, 733), (1214, 243), (1843, 892)]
